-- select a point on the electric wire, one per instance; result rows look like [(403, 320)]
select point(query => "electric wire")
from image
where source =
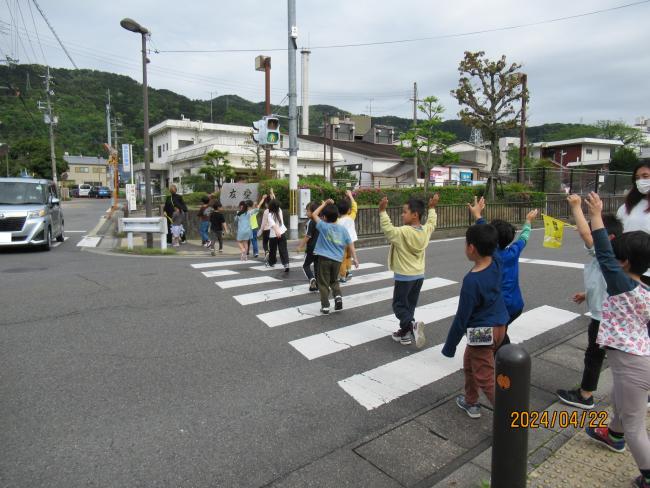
[(55, 34), (29, 39), (419, 39), (31, 13), (19, 38)]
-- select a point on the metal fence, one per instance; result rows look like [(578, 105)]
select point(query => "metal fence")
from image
[(572, 180)]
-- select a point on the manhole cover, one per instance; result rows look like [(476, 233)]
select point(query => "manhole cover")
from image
[(23, 270)]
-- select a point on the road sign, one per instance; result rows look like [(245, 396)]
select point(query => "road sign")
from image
[(130, 196), (233, 193), (126, 158), (304, 197)]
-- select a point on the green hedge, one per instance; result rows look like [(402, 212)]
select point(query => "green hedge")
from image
[(449, 195)]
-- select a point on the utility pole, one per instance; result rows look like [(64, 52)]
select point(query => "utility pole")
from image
[(211, 96), (522, 129), (108, 117), (415, 124), (331, 127), (293, 121), (267, 109), (324, 146), (50, 120)]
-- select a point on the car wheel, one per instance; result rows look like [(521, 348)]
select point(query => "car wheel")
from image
[(48, 241), (61, 237)]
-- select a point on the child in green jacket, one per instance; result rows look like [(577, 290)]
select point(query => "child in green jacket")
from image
[(408, 245)]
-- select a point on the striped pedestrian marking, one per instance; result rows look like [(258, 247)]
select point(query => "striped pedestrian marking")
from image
[(303, 289), (57, 244), (258, 280), (302, 312), (219, 272), (390, 381), (232, 262), (299, 265), (320, 345), (561, 264), (89, 241)]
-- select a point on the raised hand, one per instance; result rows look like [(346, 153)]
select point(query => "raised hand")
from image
[(477, 208), (574, 200), (594, 203), (532, 215), (433, 201), (383, 204)]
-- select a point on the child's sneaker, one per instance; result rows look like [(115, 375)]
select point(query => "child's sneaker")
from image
[(338, 303), (575, 399), (404, 337), (313, 286), (325, 310), (348, 275), (342, 280), (213, 252), (472, 410), (286, 269), (418, 333), (601, 435), (257, 256)]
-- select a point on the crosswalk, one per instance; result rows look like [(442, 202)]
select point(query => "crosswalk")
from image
[(275, 306)]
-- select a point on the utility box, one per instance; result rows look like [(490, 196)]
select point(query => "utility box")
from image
[(304, 197)]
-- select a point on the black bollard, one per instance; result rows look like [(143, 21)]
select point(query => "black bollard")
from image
[(509, 438)]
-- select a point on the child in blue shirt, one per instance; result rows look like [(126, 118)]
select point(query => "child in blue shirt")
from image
[(508, 252), (333, 240), (481, 314)]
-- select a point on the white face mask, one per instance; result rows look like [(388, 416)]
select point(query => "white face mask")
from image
[(643, 185)]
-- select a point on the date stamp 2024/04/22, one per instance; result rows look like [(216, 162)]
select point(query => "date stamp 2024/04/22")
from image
[(563, 419)]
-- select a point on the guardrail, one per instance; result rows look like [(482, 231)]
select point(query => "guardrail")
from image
[(147, 225)]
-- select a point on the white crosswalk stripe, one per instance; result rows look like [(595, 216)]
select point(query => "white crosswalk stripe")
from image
[(279, 266), (294, 314), (319, 345), (258, 280), (561, 264), (390, 381), (89, 241), (303, 289), (232, 262), (219, 272)]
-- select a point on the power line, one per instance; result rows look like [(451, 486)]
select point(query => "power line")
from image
[(29, 4), (418, 39), (55, 34), (19, 39), (29, 39)]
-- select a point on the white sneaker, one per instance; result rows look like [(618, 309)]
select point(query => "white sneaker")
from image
[(418, 333)]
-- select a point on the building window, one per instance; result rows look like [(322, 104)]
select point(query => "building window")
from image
[(82, 169), (98, 170), (183, 143), (589, 151), (159, 151)]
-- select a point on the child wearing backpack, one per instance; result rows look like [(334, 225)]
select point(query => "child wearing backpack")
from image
[(347, 213), (625, 332), (308, 244), (508, 252), (595, 294), (217, 225)]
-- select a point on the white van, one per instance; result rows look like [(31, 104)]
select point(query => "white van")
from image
[(84, 190)]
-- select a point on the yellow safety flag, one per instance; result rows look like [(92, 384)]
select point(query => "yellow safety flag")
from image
[(553, 232)]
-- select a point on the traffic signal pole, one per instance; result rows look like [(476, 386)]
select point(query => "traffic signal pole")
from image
[(293, 122)]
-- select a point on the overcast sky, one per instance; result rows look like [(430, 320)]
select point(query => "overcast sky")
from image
[(579, 70)]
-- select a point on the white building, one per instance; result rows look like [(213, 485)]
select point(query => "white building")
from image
[(179, 147), (585, 152), (643, 124)]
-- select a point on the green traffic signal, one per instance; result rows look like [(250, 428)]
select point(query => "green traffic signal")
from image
[(272, 137)]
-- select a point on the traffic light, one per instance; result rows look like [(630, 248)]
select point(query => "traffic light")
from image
[(259, 132), (272, 130)]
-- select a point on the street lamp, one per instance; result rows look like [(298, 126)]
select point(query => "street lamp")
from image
[(133, 26)]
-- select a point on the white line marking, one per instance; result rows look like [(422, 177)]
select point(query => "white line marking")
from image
[(303, 289), (562, 264), (245, 282), (219, 264), (319, 345), (76, 231), (432, 241), (390, 381), (57, 244), (303, 312), (89, 241), (219, 272)]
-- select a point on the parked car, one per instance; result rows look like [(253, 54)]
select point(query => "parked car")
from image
[(74, 191), (30, 213), (84, 190), (99, 192)]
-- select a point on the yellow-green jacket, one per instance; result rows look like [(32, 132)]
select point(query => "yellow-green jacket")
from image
[(408, 244)]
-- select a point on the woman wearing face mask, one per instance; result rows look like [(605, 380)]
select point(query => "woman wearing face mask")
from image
[(635, 212)]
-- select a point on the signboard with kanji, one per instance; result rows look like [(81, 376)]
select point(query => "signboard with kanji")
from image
[(233, 193)]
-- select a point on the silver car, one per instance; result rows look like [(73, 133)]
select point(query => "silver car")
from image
[(30, 213)]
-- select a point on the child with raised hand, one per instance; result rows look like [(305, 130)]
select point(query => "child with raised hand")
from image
[(217, 226), (625, 332), (347, 213), (595, 294), (508, 252), (406, 258), (243, 220), (308, 244), (332, 242), (481, 315)]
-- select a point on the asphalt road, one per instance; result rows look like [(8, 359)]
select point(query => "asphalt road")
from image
[(140, 371)]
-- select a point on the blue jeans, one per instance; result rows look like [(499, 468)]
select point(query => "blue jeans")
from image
[(256, 250), (203, 230)]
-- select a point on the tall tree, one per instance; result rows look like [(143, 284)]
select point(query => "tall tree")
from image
[(489, 91), (624, 159), (217, 168), (427, 141), (620, 131)]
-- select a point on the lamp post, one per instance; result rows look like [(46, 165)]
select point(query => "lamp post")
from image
[(133, 26)]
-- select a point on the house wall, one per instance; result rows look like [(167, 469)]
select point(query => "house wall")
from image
[(96, 174)]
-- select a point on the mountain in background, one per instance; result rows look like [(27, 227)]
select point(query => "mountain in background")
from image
[(80, 98)]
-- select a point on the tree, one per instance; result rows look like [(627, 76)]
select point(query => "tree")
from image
[(342, 177), (512, 156), (217, 168), (34, 156), (197, 183), (427, 141), (488, 90), (619, 130), (624, 159)]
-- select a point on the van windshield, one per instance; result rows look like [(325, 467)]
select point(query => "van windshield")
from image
[(12, 193)]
